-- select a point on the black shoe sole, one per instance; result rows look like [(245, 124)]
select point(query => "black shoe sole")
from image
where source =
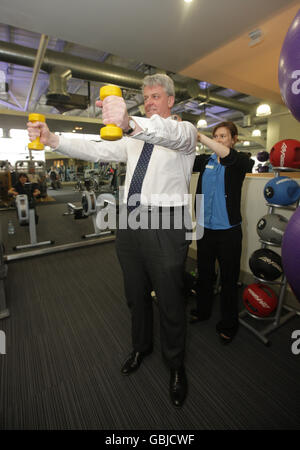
[(225, 341), (195, 319)]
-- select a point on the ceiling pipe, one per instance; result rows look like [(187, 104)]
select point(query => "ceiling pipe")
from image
[(9, 105), (106, 73), (37, 67), (196, 93)]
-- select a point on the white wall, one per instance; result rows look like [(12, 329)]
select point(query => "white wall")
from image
[(280, 127)]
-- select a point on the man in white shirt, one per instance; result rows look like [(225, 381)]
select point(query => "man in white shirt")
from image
[(150, 258)]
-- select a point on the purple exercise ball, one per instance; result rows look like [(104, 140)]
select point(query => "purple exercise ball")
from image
[(289, 68), (290, 252), (262, 156)]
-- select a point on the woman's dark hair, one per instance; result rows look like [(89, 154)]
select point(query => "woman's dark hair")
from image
[(22, 174), (229, 125)]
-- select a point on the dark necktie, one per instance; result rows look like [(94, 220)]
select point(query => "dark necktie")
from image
[(139, 174)]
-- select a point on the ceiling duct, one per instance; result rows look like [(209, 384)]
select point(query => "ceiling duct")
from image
[(58, 78), (106, 73), (58, 95), (74, 101)]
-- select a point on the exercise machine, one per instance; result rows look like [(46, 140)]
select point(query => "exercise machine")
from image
[(5, 183), (4, 312), (88, 208), (25, 205)]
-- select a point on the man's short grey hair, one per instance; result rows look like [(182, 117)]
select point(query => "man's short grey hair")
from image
[(162, 80)]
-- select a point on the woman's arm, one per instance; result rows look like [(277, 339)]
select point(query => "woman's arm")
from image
[(221, 150)]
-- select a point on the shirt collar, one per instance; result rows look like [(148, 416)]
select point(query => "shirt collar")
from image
[(214, 157)]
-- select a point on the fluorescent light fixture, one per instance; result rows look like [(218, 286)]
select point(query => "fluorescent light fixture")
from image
[(263, 110), (256, 132), (246, 143), (201, 123)]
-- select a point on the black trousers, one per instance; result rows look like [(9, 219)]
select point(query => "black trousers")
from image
[(226, 247), (154, 259)]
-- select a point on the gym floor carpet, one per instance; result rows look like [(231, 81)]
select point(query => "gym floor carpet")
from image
[(69, 332)]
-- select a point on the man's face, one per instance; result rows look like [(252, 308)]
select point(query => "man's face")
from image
[(156, 101)]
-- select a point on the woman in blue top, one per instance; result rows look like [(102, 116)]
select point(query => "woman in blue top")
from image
[(221, 176)]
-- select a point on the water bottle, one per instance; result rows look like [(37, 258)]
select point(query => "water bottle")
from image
[(10, 228)]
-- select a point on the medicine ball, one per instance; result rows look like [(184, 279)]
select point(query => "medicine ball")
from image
[(271, 228), (265, 264), (260, 299), (282, 191), (262, 169), (286, 153), (262, 156)]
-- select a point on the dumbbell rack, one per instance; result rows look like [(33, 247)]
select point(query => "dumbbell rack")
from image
[(279, 318)]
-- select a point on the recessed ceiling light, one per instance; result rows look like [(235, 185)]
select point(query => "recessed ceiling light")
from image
[(201, 123), (256, 132), (263, 110), (188, 1)]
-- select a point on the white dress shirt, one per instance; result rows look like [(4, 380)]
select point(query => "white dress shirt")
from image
[(168, 175)]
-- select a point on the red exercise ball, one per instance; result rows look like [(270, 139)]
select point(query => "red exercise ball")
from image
[(259, 299), (286, 153)]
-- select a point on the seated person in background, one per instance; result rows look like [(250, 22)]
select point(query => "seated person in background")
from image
[(32, 176), (54, 178), (19, 187), (35, 179)]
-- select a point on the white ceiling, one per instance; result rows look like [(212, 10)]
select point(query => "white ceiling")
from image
[(134, 34), (168, 34)]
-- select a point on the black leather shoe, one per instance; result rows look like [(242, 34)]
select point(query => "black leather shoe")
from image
[(226, 335), (178, 387), (196, 317), (225, 339), (133, 362)]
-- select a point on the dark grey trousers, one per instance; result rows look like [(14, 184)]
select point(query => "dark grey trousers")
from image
[(155, 260)]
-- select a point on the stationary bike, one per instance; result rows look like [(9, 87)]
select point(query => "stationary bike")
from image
[(25, 205)]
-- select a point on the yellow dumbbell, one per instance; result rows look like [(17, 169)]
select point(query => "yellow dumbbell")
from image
[(110, 132), (36, 144)]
